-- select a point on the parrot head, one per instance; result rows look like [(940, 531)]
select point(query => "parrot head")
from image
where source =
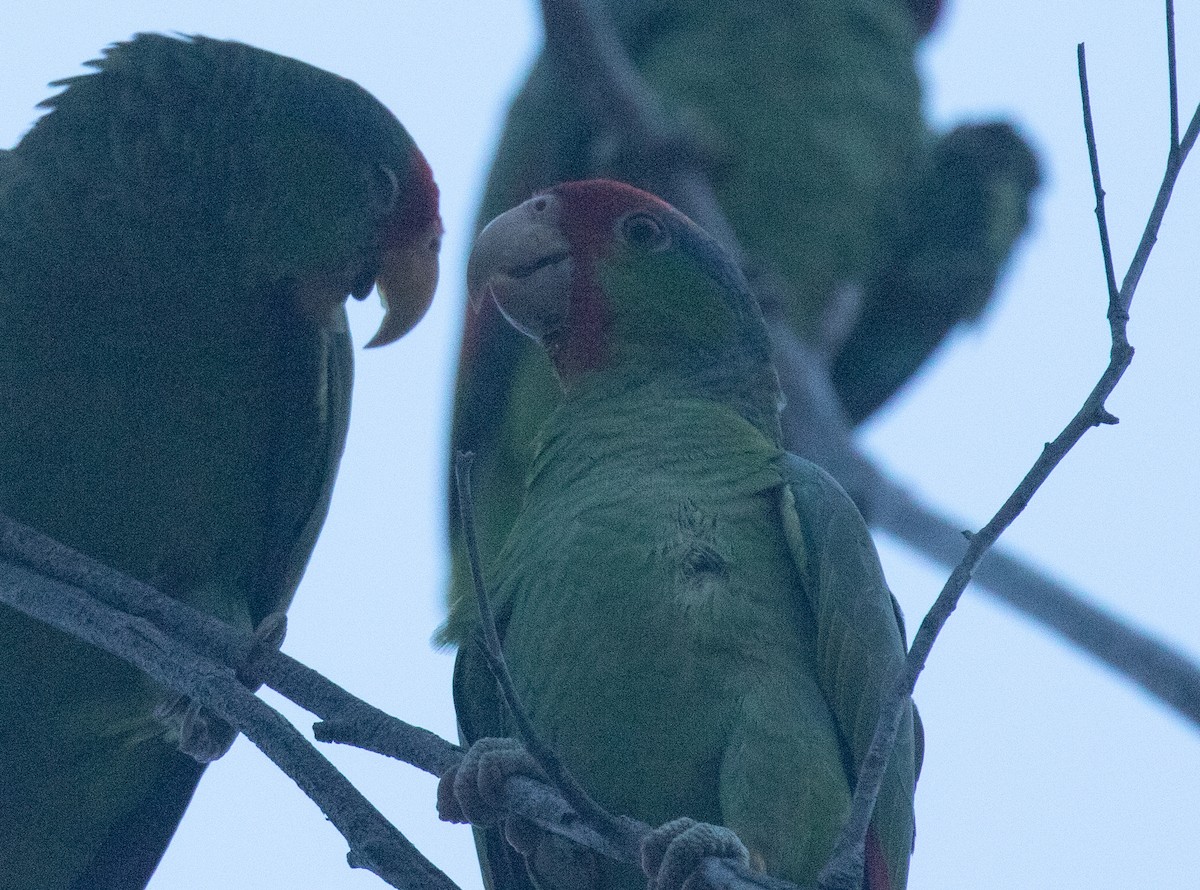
[(300, 176), (613, 280)]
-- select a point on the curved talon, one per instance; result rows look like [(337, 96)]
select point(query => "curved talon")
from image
[(672, 853), (271, 630)]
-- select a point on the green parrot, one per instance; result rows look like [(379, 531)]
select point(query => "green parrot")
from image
[(695, 619), (178, 237), (808, 113)]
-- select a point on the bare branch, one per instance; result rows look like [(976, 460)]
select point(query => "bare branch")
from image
[(374, 843), (1161, 670), (1092, 413), (1172, 77), (1090, 132), (1150, 233), (219, 642), (815, 427)]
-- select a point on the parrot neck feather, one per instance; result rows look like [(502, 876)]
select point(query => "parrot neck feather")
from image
[(632, 425), (747, 388)]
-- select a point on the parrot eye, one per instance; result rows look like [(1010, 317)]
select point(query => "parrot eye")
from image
[(644, 232), (384, 190)]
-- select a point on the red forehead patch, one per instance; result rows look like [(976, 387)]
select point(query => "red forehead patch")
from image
[(420, 204), (592, 206)]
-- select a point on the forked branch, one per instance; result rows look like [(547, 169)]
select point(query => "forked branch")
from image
[(844, 871)]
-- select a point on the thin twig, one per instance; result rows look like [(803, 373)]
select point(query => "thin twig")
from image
[(1092, 413), (1165, 672), (1094, 160), (1172, 77), (817, 429), (1150, 234), (219, 642), (609, 826)]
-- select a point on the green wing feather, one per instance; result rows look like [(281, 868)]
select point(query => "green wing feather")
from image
[(860, 641)]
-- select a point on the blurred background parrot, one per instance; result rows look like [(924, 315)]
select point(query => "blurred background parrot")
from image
[(695, 620), (178, 237), (808, 118)]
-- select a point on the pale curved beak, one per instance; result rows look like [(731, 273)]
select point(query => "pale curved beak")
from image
[(408, 276), (522, 260)]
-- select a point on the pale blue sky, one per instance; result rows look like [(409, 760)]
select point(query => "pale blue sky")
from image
[(1041, 769)]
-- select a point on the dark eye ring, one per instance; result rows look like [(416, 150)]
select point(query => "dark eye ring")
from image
[(643, 231)]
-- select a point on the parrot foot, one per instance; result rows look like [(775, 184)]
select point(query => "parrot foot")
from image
[(672, 853), (202, 735), (473, 791)]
